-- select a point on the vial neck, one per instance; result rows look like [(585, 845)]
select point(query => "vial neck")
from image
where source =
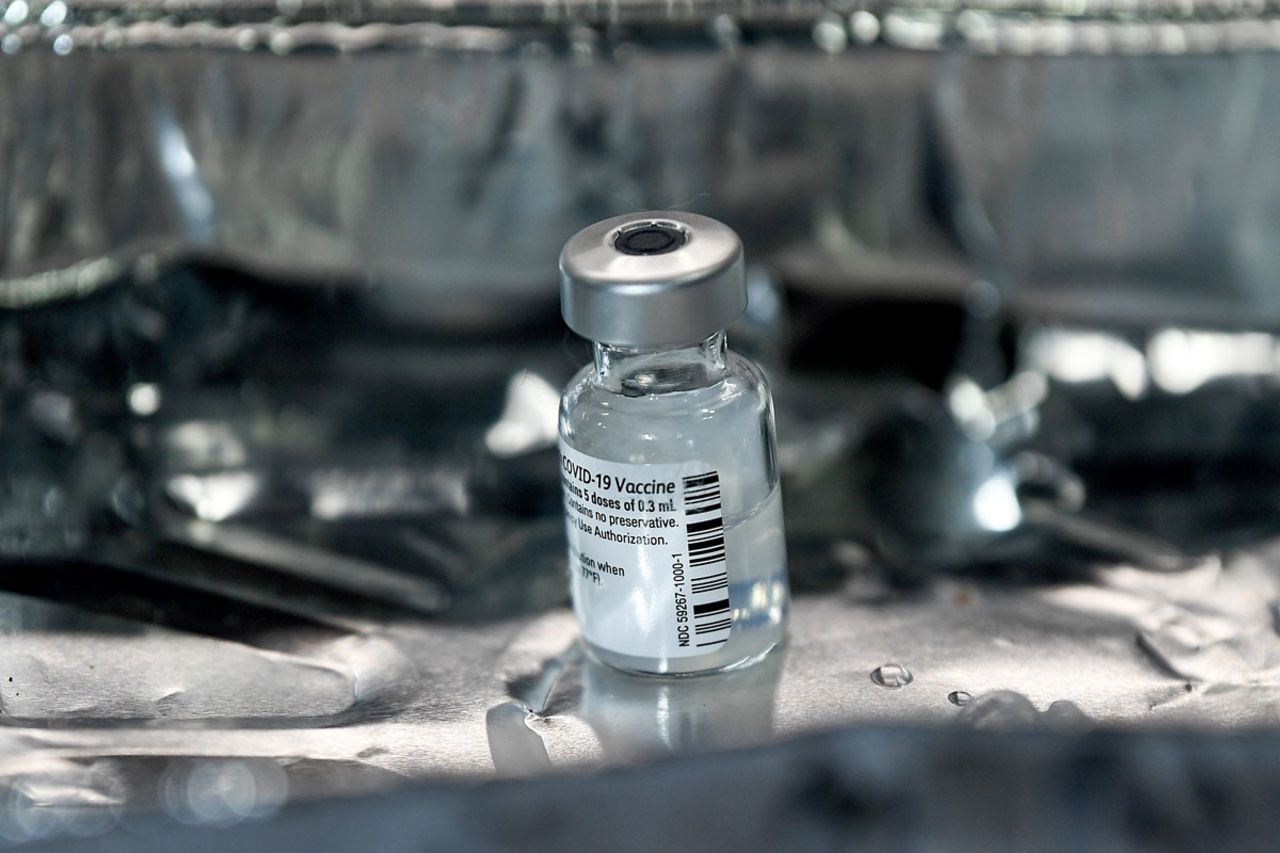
[(636, 371)]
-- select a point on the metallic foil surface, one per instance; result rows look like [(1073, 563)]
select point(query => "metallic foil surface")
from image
[(1093, 160)]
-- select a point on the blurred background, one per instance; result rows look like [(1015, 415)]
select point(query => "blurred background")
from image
[(281, 548)]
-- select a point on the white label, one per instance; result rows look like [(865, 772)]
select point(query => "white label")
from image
[(647, 555)]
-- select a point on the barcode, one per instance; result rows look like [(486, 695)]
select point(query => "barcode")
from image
[(704, 530)]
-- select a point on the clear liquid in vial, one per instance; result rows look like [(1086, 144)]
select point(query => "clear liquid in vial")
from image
[(725, 425)]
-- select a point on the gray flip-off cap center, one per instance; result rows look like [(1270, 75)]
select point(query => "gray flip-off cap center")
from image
[(657, 278)]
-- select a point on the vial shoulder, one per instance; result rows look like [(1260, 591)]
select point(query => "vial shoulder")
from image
[(741, 380), (596, 419), (579, 390), (748, 372)]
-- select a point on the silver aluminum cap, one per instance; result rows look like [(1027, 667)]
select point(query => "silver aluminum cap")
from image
[(656, 278)]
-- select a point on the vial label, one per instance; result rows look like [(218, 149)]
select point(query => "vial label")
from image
[(647, 555)]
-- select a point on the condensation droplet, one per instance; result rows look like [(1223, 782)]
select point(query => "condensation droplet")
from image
[(583, 49), (892, 675), (865, 27), (223, 792), (281, 43), (16, 13), (959, 698), (55, 501), (830, 35), (1001, 709), (725, 31), (1065, 714), (54, 14), (11, 43), (63, 44), (144, 398)]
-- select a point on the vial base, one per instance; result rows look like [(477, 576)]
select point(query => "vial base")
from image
[(686, 667)]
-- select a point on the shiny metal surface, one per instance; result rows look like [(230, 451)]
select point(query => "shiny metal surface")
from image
[(235, 580), (262, 546), (274, 538), (318, 701), (851, 168)]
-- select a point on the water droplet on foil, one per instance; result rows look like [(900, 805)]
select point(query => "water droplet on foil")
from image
[(892, 675), (999, 710)]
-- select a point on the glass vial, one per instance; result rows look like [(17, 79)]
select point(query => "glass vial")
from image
[(677, 560)]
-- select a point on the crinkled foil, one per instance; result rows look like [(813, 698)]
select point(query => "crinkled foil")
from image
[(260, 548), (280, 360), (1082, 158)]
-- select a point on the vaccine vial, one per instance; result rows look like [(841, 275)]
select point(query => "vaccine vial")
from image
[(677, 559)]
